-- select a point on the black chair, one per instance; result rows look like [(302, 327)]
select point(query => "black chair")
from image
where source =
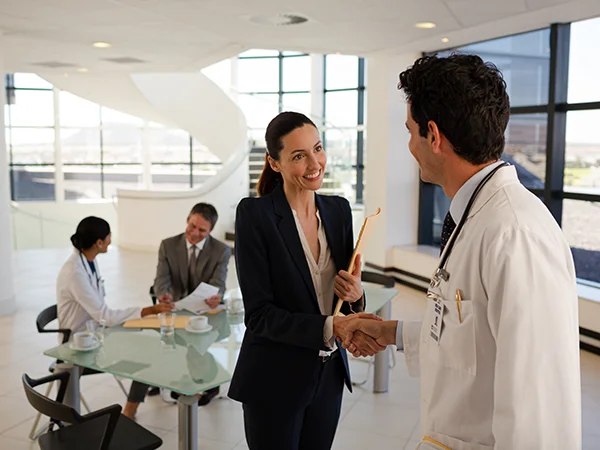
[(106, 429), (152, 295), (377, 278), (47, 316)]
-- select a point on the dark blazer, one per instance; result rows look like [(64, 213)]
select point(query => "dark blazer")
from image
[(279, 357), (172, 269)]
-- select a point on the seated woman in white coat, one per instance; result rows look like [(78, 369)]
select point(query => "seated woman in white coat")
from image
[(80, 287)]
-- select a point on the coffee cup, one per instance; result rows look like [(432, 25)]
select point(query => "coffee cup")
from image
[(83, 339), (198, 322)]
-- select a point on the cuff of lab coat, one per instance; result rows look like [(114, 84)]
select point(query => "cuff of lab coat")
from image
[(328, 338), (399, 338), (411, 337)]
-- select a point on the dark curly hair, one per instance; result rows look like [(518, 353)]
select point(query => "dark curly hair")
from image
[(467, 100)]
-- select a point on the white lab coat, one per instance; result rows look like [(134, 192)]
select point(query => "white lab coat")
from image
[(80, 297), (507, 377)]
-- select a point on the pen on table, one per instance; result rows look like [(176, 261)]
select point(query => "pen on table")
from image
[(458, 305)]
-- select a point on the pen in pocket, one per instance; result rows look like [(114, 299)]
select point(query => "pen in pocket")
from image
[(458, 305)]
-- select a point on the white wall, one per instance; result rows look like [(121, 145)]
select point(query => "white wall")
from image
[(7, 292), (392, 175), (51, 224)]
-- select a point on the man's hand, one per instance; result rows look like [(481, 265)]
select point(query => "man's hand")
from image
[(344, 328), (383, 333), (165, 298), (214, 301), (347, 286)]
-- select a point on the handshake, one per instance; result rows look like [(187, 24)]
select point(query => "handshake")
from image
[(364, 334)]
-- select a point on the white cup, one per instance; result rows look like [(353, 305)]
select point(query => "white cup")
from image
[(83, 339), (198, 322)]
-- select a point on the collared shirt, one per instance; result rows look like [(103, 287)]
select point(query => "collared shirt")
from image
[(323, 274), (462, 197), (457, 209), (199, 246)]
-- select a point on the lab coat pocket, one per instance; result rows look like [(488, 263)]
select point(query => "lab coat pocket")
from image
[(457, 341), (438, 441)]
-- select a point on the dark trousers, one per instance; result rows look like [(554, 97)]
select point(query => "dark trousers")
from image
[(311, 426), (137, 392)]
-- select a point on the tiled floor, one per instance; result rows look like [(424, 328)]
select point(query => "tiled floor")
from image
[(369, 421)]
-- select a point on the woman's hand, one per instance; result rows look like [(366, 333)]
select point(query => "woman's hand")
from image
[(157, 309), (347, 286)]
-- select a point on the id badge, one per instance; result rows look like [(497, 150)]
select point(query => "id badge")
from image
[(435, 330)]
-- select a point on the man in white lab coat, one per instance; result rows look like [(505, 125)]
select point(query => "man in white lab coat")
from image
[(498, 348)]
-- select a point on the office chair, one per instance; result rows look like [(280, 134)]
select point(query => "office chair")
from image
[(48, 315), (105, 429)]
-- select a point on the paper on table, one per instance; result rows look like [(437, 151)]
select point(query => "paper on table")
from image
[(195, 302)]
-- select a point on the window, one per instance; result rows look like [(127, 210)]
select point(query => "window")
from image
[(524, 60), (582, 157), (90, 150), (525, 148), (344, 100), (563, 172), (580, 224), (584, 65)]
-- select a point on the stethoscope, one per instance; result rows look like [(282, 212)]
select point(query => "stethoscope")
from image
[(441, 273), (87, 269)]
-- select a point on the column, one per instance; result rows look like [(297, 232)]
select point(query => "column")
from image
[(317, 86), (392, 175), (7, 293)]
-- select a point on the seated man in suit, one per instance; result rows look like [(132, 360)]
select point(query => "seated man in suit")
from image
[(185, 261)]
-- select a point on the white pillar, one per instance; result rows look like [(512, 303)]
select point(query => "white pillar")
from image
[(59, 186), (146, 156), (392, 175), (317, 86), (7, 292)]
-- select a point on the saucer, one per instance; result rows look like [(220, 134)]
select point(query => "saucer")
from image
[(94, 346), (203, 330)]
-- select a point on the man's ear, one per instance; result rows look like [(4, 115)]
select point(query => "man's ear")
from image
[(434, 136)]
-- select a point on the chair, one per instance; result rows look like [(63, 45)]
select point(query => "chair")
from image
[(47, 316), (377, 278), (152, 295), (106, 429), (386, 282)]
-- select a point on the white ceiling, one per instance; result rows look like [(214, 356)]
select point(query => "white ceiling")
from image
[(186, 35)]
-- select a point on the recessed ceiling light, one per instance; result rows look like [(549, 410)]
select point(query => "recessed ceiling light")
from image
[(101, 44), (425, 25), (65, 74), (279, 19), (82, 69), (444, 40)]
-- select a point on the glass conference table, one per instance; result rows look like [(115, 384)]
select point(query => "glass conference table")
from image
[(187, 363)]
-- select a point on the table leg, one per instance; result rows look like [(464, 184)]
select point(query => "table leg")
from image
[(72, 397), (382, 359), (188, 422)]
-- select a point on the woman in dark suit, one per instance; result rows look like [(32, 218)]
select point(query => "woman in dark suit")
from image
[(292, 247)]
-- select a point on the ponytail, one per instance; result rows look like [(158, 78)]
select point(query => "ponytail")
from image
[(269, 179)]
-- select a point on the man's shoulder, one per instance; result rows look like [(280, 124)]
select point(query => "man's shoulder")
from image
[(218, 246), (173, 240)]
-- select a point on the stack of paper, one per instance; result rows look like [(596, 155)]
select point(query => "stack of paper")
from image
[(195, 302)]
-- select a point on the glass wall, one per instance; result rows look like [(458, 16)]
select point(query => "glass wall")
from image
[(270, 82), (343, 133), (551, 137), (63, 147)]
